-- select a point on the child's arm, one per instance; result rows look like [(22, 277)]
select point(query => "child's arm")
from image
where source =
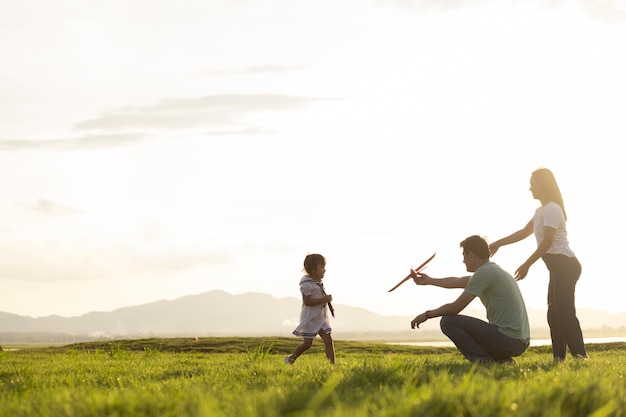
[(310, 301)]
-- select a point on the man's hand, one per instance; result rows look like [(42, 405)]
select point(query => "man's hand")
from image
[(415, 323), (419, 278)]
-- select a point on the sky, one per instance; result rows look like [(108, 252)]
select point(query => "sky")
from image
[(155, 149)]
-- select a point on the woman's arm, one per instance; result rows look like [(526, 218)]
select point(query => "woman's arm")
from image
[(542, 248), (512, 238)]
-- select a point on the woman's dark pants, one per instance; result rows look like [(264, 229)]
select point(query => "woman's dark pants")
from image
[(564, 325)]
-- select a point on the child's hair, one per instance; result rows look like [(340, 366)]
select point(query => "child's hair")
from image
[(312, 260)]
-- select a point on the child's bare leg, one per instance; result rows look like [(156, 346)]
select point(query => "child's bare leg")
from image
[(329, 346), (300, 349)]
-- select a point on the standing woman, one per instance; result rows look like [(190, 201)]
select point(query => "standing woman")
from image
[(548, 225)]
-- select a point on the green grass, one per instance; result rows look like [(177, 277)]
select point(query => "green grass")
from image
[(246, 377)]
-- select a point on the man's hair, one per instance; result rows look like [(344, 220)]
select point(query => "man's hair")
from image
[(477, 245), (312, 260)]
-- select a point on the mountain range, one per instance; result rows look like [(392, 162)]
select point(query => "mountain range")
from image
[(218, 313)]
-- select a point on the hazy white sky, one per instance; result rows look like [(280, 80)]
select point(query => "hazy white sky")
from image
[(155, 149)]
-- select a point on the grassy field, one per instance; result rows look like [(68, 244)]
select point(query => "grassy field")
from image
[(233, 377)]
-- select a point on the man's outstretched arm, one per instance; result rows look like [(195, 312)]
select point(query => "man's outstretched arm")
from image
[(449, 282)]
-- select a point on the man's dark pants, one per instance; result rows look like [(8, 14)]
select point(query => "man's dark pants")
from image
[(480, 341)]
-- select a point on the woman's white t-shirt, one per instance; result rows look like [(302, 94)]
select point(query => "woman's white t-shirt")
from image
[(551, 215)]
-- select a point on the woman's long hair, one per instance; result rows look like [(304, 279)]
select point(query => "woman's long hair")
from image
[(549, 188)]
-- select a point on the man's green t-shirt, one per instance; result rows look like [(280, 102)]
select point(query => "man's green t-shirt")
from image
[(502, 298)]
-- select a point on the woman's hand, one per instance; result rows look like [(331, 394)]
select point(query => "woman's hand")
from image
[(521, 272), (493, 248)]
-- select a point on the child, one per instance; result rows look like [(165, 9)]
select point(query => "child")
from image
[(314, 313)]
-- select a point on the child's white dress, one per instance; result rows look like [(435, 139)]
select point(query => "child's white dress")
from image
[(312, 318)]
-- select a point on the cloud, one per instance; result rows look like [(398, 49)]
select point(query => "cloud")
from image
[(611, 11), (185, 113), (173, 261), (264, 69), (422, 5), (50, 261), (81, 142), (223, 114), (48, 207), (244, 131)]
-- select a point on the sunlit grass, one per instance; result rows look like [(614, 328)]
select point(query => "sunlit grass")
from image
[(168, 377)]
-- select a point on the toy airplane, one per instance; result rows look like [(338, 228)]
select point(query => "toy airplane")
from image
[(418, 269)]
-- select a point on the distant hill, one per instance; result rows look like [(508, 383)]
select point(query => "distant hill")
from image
[(217, 313)]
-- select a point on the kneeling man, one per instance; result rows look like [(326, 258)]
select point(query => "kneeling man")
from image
[(507, 334)]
